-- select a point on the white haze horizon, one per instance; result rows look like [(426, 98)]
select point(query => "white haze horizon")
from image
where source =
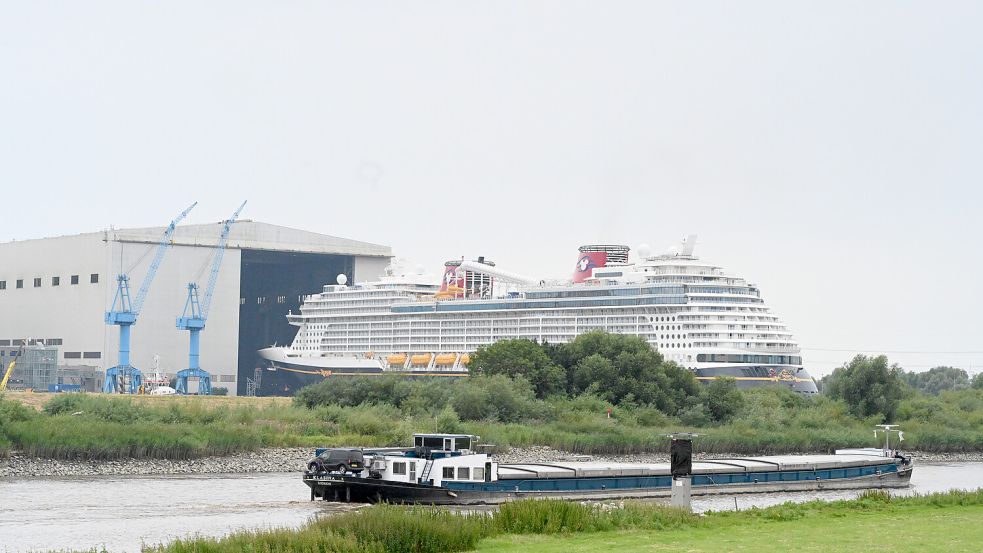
[(827, 151)]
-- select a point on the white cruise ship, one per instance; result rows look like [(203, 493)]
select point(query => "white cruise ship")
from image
[(693, 312)]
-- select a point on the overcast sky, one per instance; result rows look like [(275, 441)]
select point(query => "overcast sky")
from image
[(829, 151)]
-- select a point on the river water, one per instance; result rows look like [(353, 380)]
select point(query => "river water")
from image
[(121, 513)]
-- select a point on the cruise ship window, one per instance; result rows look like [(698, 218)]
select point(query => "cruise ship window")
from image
[(55, 281), (75, 279), (37, 282), (94, 278), (20, 283)]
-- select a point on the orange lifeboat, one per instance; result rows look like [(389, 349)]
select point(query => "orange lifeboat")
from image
[(465, 359), (446, 359), (397, 359), (421, 358)]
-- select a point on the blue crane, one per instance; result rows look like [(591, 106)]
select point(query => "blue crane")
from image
[(125, 378), (196, 313)]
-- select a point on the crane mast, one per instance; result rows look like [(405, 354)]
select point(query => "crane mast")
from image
[(10, 367), (196, 313), (124, 377)]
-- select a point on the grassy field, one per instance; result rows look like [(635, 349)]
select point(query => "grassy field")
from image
[(923, 529), (875, 521), (36, 401)]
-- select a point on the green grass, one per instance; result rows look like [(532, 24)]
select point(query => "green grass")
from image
[(773, 421), (898, 525), (874, 521), (924, 530)]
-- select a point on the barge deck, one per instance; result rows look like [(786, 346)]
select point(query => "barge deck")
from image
[(456, 476)]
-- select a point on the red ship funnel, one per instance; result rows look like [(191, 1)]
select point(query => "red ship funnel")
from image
[(452, 284), (595, 256)]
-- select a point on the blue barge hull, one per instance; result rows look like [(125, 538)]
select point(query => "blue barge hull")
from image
[(710, 477)]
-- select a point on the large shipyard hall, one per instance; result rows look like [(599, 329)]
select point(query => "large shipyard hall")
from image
[(55, 294)]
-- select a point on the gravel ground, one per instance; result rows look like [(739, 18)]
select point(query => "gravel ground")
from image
[(267, 460), (295, 459)]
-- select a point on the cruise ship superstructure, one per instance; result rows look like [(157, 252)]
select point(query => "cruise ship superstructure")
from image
[(694, 313)]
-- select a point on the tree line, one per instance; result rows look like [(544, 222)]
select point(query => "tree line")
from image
[(872, 386), (512, 381)]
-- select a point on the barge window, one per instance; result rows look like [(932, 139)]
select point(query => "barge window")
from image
[(399, 467), (464, 473), (462, 443), (448, 473), (432, 443), (479, 473)]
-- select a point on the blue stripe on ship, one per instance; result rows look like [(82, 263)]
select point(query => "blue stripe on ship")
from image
[(644, 482)]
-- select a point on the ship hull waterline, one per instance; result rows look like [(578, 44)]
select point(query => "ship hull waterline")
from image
[(341, 488)]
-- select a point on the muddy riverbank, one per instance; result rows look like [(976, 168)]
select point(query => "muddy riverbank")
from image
[(295, 459)]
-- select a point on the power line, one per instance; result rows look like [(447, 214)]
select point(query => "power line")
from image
[(903, 365), (858, 350)]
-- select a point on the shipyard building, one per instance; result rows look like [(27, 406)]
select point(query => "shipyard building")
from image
[(54, 293)]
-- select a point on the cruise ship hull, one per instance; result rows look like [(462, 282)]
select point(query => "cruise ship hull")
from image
[(340, 365), (756, 376)]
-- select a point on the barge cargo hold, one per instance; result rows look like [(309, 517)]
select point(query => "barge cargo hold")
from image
[(442, 470)]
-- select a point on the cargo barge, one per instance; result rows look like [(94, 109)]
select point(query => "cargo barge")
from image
[(442, 469)]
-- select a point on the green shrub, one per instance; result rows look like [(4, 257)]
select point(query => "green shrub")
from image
[(496, 398), (722, 399), (408, 530), (447, 421), (371, 420), (544, 516), (649, 416), (868, 385), (12, 411)]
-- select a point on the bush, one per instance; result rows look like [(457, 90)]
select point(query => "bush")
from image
[(722, 399), (447, 421), (520, 358), (220, 391), (869, 386), (617, 367), (369, 420), (544, 516), (497, 398), (395, 529), (938, 379), (696, 416)]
